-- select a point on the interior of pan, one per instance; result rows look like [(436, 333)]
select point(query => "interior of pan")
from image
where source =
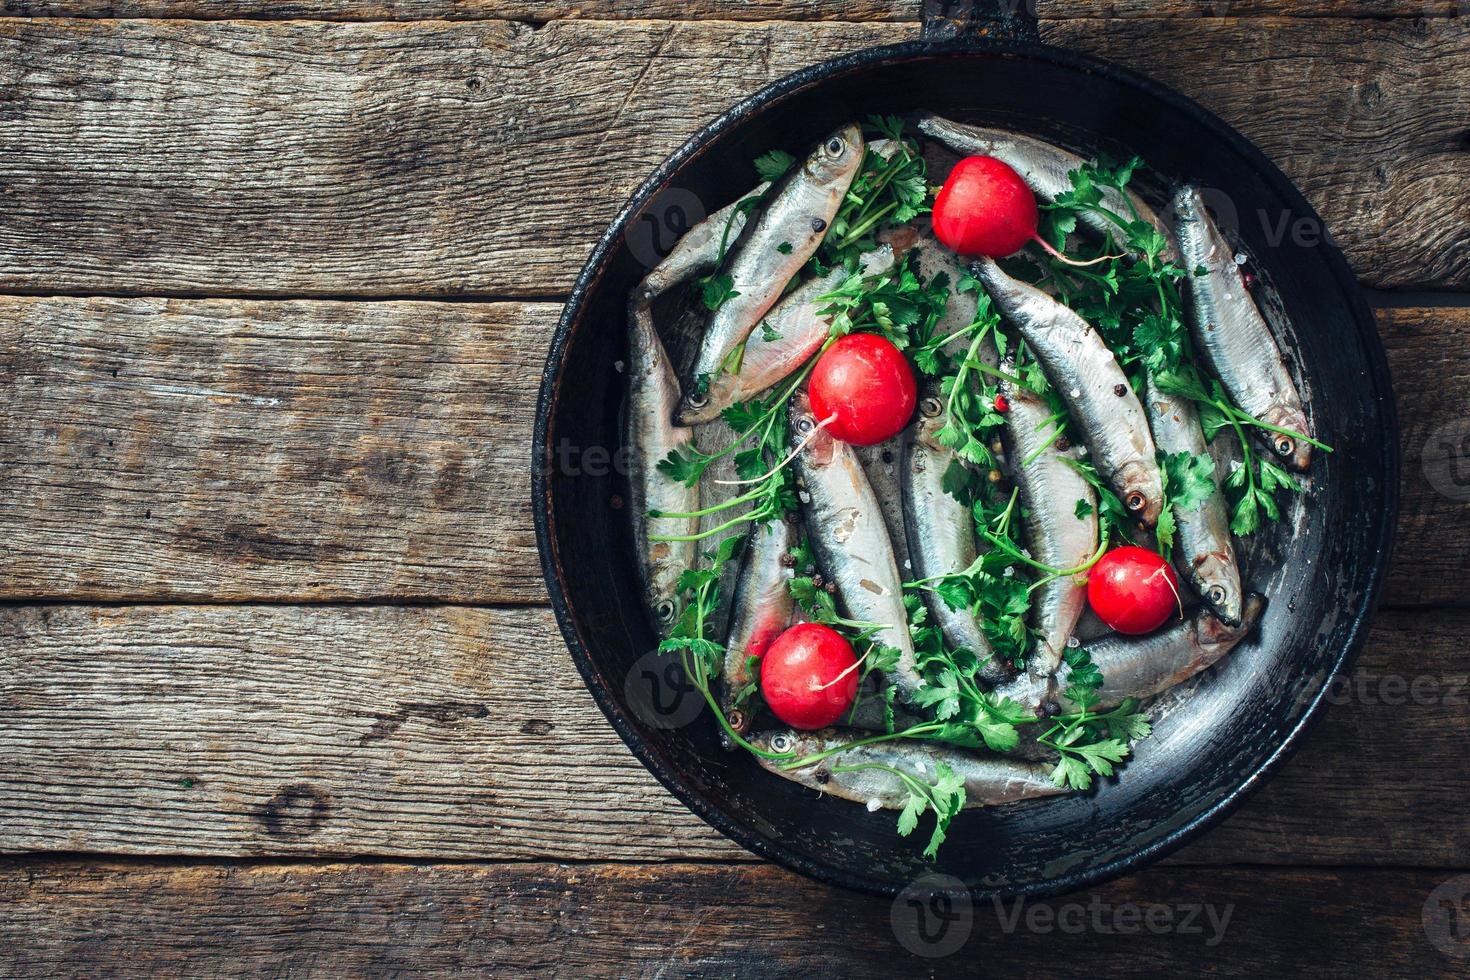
[(1320, 568)]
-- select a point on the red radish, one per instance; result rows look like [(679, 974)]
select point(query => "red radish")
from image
[(1133, 590), (862, 389), (809, 676), (985, 208)]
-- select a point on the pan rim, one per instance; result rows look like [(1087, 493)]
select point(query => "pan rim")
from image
[(1380, 386)]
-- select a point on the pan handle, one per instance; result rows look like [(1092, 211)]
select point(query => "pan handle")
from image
[(1006, 20)]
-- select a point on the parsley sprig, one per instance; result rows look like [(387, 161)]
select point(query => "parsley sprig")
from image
[(1251, 487), (1136, 304), (1089, 743), (895, 303), (888, 190), (945, 797)]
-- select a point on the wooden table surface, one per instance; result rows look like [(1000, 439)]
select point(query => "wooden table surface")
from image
[(279, 690)]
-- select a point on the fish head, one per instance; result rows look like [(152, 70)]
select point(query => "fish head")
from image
[(1190, 222), (1141, 493), (1188, 204), (1221, 581), (698, 404), (666, 612), (1294, 453), (1213, 632), (930, 420), (787, 741), (838, 156), (807, 432)]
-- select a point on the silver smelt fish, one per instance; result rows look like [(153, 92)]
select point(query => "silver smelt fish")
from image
[(989, 780), (870, 714), (1202, 549), (850, 539), (761, 610), (1044, 168), (881, 462), (1050, 489), (934, 260), (788, 231), (941, 533), (698, 250), (787, 337), (1091, 384), (1142, 666), (1234, 337), (653, 391)]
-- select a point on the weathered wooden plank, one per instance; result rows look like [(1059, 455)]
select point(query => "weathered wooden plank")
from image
[(1385, 748), (741, 10), (239, 450), (466, 733), (1072, 9), (1431, 377), (1337, 121), (230, 730), (249, 450), (74, 919), (311, 158), (536, 11), (179, 157)]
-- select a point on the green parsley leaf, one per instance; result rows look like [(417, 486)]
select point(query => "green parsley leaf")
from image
[(713, 292), (773, 164)]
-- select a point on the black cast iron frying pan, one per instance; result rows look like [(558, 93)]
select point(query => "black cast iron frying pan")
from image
[(1322, 568)]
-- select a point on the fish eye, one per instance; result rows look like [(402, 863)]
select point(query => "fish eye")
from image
[(1136, 500), (666, 611), (1216, 594), (696, 400), (835, 146), (736, 718), (804, 424), (930, 407), (1284, 446), (782, 743)]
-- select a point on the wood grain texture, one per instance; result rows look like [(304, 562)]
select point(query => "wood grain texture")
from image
[(312, 159), (236, 730), (244, 450), (742, 10), (1429, 358), (314, 451), (536, 11), (1152, 9), (1363, 120), (466, 733), (73, 919), (330, 159)]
